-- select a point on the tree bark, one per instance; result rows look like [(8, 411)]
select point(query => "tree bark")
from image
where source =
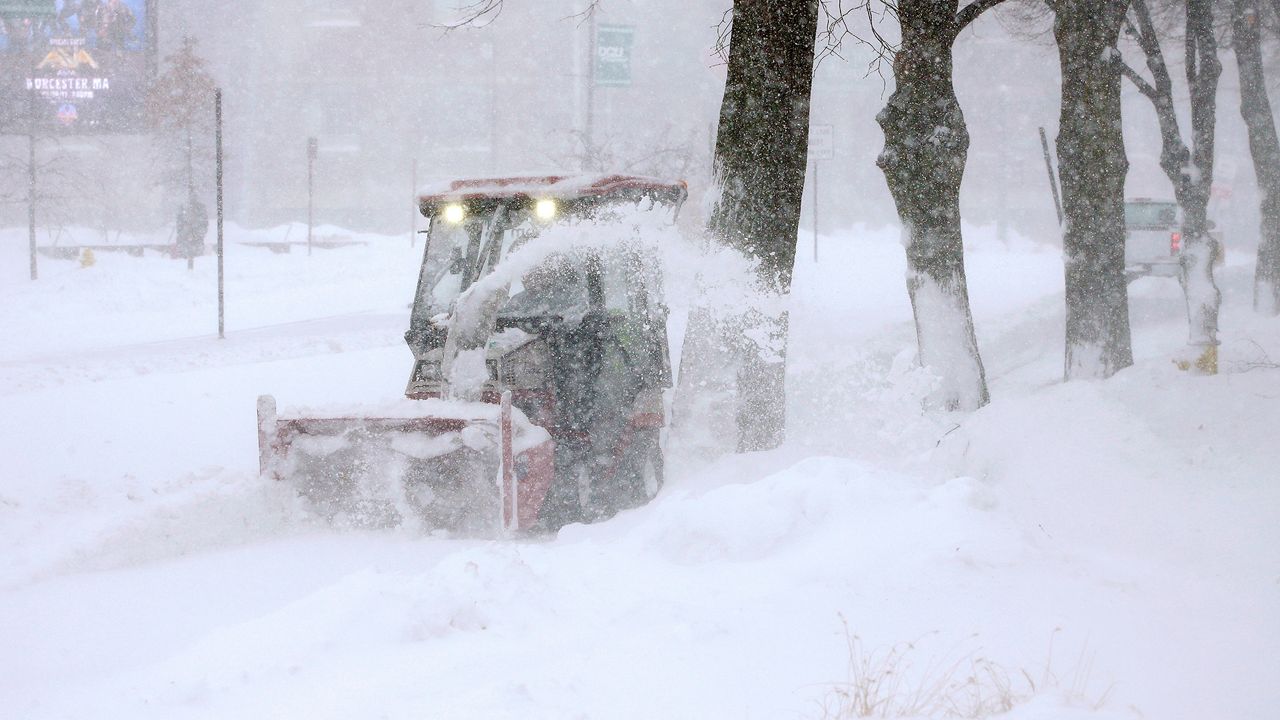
[(1092, 165), (1255, 108), (760, 158), (926, 143), (763, 138)]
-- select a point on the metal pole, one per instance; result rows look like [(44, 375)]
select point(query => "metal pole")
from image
[(587, 141), (31, 202), (510, 486), (815, 211), (413, 219), (1053, 180), (217, 118), (31, 182), (312, 148)]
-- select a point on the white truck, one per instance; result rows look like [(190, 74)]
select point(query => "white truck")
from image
[(1153, 238)]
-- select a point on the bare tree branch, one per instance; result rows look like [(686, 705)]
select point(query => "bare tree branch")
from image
[(480, 13), (972, 11), (593, 6), (1149, 41), (724, 29), (1138, 81), (834, 29), (477, 14), (884, 49)]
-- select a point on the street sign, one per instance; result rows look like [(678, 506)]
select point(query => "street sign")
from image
[(822, 146), (27, 8), (822, 142), (613, 55)]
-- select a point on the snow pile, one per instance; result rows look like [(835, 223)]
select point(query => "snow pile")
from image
[(1098, 549)]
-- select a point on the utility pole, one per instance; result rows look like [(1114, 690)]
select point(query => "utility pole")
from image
[(588, 140), (815, 211), (822, 146), (413, 218), (1053, 177), (217, 119), (313, 148)]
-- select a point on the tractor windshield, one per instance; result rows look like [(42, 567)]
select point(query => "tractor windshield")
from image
[(457, 254), (445, 267)]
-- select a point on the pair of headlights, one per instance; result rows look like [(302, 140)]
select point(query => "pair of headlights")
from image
[(543, 210)]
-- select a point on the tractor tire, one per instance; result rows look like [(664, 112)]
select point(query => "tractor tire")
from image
[(640, 475), (564, 503)]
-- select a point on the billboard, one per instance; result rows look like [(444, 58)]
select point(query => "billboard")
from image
[(75, 66)]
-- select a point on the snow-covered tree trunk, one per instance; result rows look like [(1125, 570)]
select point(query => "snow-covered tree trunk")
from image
[(1189, 170), (926, 143), (1255, 108), (704, 408), (1092, 165), (1198, 248), (760, 158)]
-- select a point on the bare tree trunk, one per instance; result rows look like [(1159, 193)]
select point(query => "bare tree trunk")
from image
[(1198, 247), (763, 137), (1255, 108), (760, 159), (1093, 166), (1189, 170), (926, 143)]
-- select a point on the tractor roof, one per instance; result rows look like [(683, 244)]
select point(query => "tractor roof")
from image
[(556, 187)]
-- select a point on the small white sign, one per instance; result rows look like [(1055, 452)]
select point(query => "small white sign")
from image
[(822, 142)]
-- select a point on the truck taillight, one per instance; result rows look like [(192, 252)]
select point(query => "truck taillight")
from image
[(1175, 243)]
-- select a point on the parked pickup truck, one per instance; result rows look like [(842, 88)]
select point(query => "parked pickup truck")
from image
[(1153, 238)]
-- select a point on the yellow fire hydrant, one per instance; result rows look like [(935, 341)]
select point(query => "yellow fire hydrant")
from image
[(86, 258), (1205, 364)]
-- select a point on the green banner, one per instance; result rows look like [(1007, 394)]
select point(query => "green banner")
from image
[(613, 55), (27, 8)]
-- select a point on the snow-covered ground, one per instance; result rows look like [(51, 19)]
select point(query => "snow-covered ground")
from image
[(1094, 549)]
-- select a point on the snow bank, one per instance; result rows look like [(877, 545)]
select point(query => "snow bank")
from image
[(1116, 541)]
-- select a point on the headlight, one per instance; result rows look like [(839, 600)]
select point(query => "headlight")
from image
[(545, 209), (454, 213)]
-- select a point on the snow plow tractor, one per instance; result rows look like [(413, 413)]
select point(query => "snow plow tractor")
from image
[(539, 338)]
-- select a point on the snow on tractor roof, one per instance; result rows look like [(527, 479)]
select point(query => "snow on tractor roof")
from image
[(557, 187)]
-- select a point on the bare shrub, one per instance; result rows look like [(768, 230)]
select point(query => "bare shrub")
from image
[(888, 684)]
